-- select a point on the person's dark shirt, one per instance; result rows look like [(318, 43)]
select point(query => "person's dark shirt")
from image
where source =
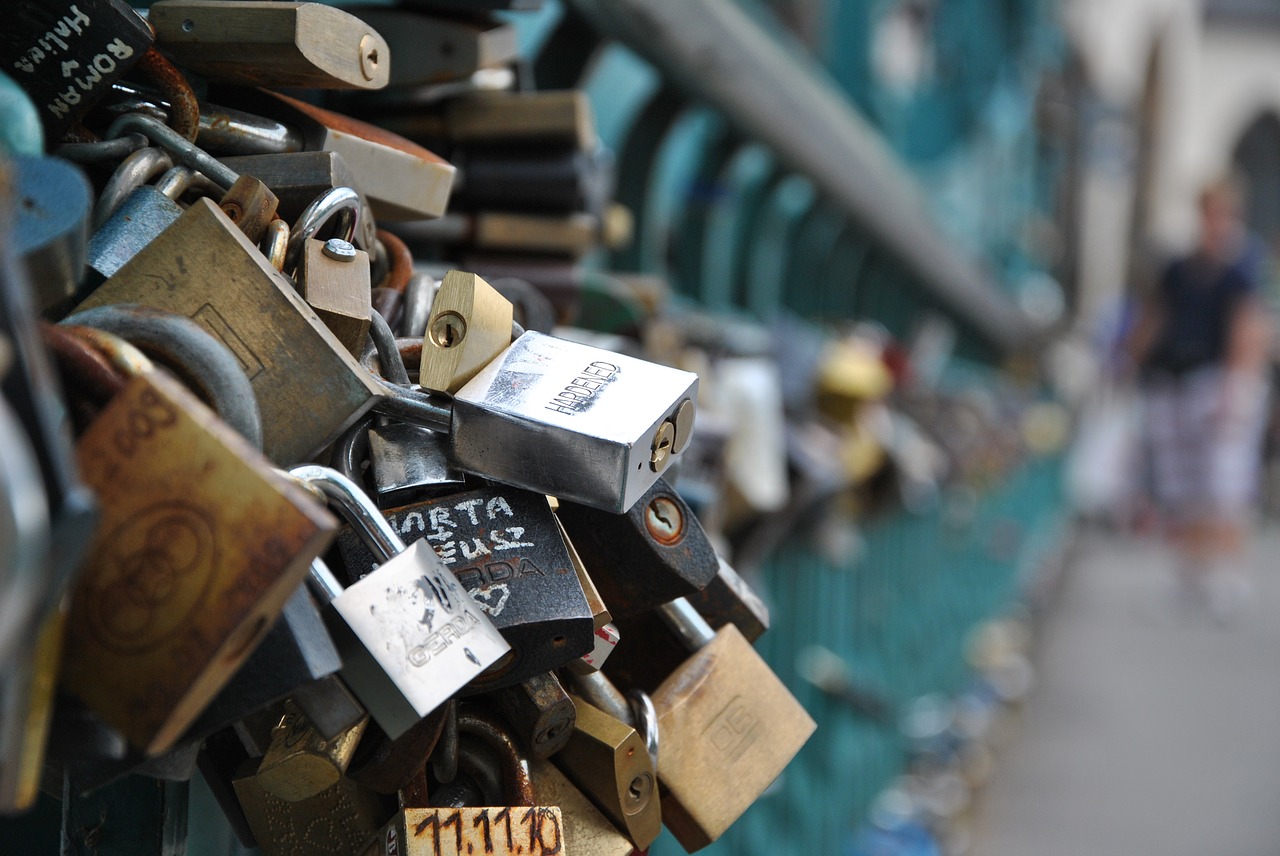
[(1199, 297)]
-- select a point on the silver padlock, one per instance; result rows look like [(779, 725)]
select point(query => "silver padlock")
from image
[(562, 418), (409, 634)]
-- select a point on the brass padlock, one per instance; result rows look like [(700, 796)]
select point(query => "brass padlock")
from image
[(728, 728), (470, 324), (260, 43), (334, 278), (300, 762), (201, 544), (336, 822), (586, 830), (609, 761), (309, 387)]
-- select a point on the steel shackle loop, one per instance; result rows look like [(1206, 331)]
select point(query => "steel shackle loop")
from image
[(354, 506)]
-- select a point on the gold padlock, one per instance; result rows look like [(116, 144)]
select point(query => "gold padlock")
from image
[(272, 43), (728, 728), (609, 761), (200, 544), (334, 278), (469, 325), (300, 763), (309, 387), (586, 830), (336, 822)]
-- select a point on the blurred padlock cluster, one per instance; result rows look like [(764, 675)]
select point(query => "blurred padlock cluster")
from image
[(342, 477)]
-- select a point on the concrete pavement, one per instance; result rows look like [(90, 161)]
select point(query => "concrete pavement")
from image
[(1146, 734)]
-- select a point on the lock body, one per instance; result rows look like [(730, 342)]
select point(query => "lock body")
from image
[(653, 554), (308, 386), (728, 728), (144, 214), (392, 625), (200, 546), (574, 421), (336, 822), (67, 54), (503, 546)]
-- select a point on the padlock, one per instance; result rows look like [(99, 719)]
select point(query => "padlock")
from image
[(469, 325), (556, 180), (586, 829), (606, 425), (336, 822), (143, 215), (540, 712), (518, 828), (402, 180), (503, 546), (654, 553), (728, 727), (433, 49), (307, 45), (50, 228), (608, 760), (546, 118), (66, 55), (300, 763), (193, 516), (296, 178), (308, 386), (334, 279), (409, 634)]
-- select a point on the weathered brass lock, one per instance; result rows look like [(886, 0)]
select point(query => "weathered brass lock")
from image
[(301, 763), (308, 386), (193, 518), (609, 761), (272, 43), (728, 728)]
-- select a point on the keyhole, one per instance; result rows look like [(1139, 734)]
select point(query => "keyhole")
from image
[(639, 792), (664, 520), (448, 330)]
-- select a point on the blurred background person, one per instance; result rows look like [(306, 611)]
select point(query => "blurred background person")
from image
[(1202, 347)]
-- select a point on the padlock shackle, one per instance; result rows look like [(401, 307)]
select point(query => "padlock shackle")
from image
[(341, 202), (687, 623), (324, 583), (179, 148), (517, 784), (354, 506)]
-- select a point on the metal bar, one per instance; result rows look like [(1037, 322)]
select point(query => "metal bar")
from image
[(714, 50)]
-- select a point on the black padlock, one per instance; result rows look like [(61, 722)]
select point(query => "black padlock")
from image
[(503, 545), (653, 554), (67, 54)]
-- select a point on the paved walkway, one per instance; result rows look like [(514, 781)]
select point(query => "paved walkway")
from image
[(1144, 735)]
